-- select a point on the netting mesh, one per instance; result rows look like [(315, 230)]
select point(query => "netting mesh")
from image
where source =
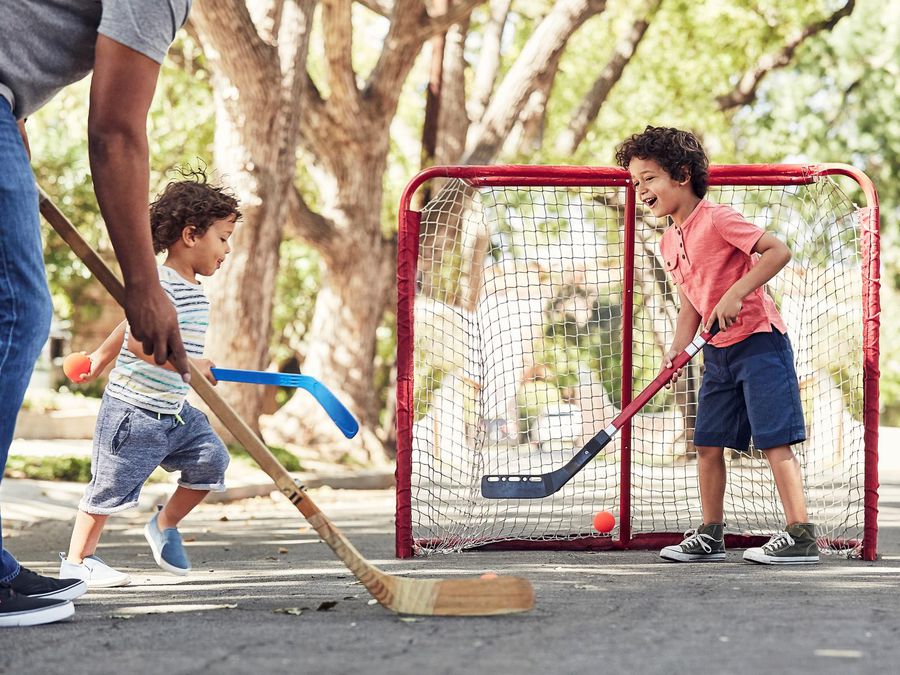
[(518, 324)]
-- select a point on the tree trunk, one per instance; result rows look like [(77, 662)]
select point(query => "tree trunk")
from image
[(356, 286), (241, 292), (255, 147)]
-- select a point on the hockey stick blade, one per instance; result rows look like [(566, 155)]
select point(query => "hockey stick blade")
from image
[(543, 485), (336, 410), (427, 597), (538, 486)]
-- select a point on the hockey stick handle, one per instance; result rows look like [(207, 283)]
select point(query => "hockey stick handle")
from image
[(663, 378)]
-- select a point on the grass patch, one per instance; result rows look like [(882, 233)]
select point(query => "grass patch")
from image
[(288, 460), (74, 469), (78, 469), (69, 469)]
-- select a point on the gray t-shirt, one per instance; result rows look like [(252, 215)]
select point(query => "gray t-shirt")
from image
[(48, 44)]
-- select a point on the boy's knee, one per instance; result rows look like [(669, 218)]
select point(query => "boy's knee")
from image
[(223, 459), (709, 452), (216, 461)]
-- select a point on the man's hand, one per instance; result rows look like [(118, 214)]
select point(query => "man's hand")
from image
[(726, 311), (154, 324)]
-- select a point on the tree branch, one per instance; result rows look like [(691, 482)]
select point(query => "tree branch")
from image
[(590, 105), (549, 38), (453, 122), (411, 25), (292, 40), (274, 16), (310, 226), (440, 22), (488, 59), (337, 26), (745, 91), (380, 7), (248, 59)]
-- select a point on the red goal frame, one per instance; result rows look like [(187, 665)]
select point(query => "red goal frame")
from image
[(579, 176)]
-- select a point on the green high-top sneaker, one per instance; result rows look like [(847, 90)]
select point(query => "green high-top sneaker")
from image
[(705, 544), (795, 545)]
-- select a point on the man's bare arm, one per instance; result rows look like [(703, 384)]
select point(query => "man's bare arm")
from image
[(122, 89)]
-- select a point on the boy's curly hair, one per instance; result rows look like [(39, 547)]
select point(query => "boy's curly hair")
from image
[(191, 202), (674, 150)]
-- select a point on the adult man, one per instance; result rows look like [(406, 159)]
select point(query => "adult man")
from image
[(44, 46)]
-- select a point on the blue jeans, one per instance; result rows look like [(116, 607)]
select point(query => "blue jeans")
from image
[(25, 307)]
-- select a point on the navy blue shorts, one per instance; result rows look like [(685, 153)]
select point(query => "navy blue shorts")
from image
[(750, 389)]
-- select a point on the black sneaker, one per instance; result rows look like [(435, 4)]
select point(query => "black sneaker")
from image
[(21, 610), (35, 586), (705, 544), (796, 545)]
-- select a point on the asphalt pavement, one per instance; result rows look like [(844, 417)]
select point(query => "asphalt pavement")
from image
[(266, 595)]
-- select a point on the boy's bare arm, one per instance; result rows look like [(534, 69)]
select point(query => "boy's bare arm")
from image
[(105, 354), (204, 365), (774, 255)]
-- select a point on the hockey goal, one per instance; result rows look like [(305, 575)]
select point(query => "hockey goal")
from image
[(533, 305)]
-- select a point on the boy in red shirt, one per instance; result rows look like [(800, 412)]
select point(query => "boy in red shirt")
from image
[(721, 263)]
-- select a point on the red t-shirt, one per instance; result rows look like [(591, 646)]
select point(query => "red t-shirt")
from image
[(706, 255)]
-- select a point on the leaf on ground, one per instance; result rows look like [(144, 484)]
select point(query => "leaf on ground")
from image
[(293, 611), (325, 606), (283, 550)]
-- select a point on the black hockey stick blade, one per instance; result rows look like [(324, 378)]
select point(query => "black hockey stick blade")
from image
[(538, 486), (543, 485)]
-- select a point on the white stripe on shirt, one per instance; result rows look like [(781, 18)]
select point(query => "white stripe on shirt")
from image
[(146, 385)]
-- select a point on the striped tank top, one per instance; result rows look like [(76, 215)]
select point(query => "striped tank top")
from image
[(146, 385)]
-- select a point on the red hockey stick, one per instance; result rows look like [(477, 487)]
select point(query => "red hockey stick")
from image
[(544, 485)]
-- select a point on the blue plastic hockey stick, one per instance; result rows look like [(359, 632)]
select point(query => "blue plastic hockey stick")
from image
[(329, 402), (543, 485)]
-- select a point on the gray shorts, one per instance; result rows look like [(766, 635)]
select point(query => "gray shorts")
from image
[(130, 442)]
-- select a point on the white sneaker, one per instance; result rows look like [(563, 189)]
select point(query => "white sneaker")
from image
[(93, 571)]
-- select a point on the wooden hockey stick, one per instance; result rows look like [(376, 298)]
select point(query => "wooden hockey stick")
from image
[(450, 597)]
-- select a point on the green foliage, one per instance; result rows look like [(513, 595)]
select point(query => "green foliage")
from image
[(287, 459), (295, 293), (836, 101), (180, 131), (74, 469)]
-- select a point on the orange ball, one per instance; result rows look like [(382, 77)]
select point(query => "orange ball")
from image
[(604, 521), (75, 365)]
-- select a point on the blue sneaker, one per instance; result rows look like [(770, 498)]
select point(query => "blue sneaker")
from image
[(168, 549)]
